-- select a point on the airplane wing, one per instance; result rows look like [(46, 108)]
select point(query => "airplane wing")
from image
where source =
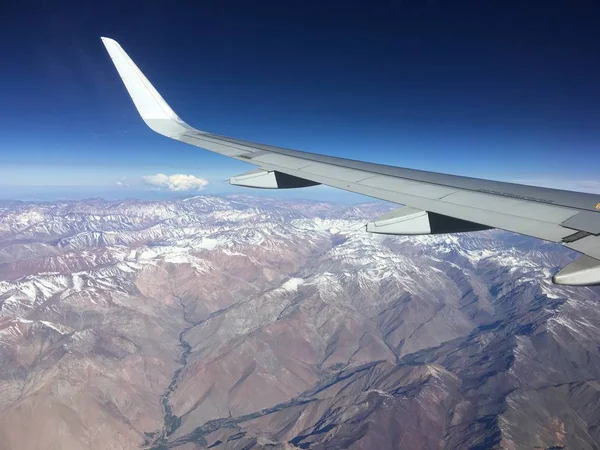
[(435, 202)]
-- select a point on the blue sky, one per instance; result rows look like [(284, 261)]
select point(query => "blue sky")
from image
[(505, 90)]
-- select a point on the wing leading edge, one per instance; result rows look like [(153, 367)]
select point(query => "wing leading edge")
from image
[(463, 203)]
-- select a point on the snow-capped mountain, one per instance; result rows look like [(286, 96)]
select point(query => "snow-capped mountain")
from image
[(245, 322)]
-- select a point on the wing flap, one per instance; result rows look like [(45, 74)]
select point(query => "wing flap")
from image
[(519, 208), (417, 188), (341, 173), (288, 162), (584, 221)]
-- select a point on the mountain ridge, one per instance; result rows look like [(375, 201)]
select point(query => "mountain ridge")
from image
[(246, 322)]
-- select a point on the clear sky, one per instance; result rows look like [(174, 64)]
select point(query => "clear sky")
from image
[(508, 90)]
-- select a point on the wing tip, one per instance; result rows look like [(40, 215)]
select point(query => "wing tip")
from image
[(106, 40), (150, 105)]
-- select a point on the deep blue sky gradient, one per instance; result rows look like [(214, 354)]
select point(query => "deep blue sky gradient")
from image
[(507, 90)]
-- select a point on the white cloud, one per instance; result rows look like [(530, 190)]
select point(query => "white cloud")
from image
[(177, 182)]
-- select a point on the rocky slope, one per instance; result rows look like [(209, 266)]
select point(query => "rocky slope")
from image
[(240, 322)]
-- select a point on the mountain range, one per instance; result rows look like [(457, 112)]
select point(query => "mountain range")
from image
[(245, 323)]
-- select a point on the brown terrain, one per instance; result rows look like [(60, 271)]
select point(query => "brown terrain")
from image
[(248, 323)]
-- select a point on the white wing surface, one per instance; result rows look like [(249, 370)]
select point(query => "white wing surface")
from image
[(436, 202)]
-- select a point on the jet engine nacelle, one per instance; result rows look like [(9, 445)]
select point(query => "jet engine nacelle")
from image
[(413, 221)]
